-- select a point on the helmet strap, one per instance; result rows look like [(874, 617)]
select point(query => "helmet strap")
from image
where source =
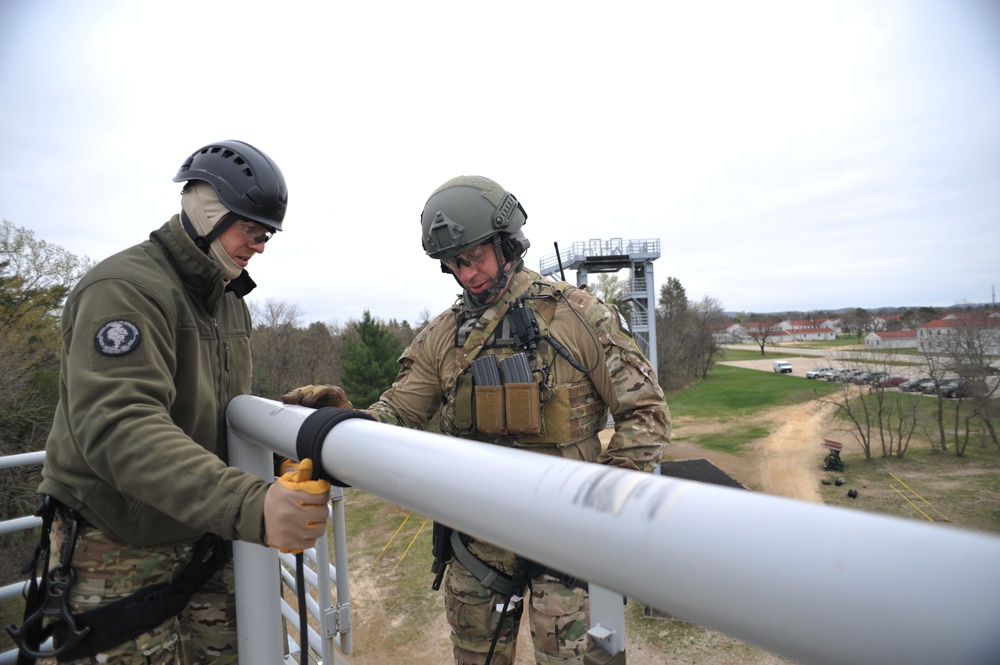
[(508, 265), (205, 241)]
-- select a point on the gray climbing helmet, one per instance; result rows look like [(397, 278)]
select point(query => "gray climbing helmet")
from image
[(465, 212), (247, 181)]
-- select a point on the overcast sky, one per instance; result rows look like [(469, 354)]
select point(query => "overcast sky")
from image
[(788, 155)]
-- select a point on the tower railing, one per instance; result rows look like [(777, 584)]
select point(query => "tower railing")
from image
[(813, 583)]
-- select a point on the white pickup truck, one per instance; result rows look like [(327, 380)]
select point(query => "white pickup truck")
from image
[(782, 367)]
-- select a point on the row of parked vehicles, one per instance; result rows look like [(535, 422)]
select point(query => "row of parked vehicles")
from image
[(951, 387)]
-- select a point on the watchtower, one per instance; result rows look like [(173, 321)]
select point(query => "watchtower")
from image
[(611, 256)]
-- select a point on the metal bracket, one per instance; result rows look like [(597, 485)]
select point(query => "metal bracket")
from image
[(337, 620), (603, 652)]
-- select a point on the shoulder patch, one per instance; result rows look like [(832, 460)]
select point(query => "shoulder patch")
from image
[(117, 338), (623, 322)]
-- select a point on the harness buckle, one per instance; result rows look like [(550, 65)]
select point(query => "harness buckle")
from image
[(54, 606)]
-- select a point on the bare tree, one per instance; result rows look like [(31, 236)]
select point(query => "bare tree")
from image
[(685, 342), (286, 355), (875, 414), (761, 329), (708, 314), (973, 340)]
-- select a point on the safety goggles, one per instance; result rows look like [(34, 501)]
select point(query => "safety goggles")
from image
[(257, 233), (474, 257)]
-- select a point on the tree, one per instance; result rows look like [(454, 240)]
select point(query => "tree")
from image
[(370, 361), (971, 342), (761, 329), (874, 414), (859, 322), (35, 277), (613, 290), (686, 344), (286, 356), (709, 314), (673, 301)]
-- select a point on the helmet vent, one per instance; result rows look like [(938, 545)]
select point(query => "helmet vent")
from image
[(504, 211)]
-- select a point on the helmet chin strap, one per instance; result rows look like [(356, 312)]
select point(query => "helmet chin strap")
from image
[(499, 283)]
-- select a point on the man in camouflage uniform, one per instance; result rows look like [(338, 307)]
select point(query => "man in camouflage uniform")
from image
[(583, 362), (156, 342)]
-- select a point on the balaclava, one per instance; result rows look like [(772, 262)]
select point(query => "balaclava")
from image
[(205, 210)]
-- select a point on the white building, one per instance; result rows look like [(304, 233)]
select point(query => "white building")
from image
[(904, 339)]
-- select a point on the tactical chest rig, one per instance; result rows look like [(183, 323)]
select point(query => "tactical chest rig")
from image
[(507, 389)]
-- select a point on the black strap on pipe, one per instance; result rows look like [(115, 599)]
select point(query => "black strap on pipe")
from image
[(312, 434), (309, 445)]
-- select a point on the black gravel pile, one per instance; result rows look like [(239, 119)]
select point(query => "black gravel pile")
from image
[(700, 470)]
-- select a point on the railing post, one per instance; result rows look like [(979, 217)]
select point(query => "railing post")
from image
[(258, 583)]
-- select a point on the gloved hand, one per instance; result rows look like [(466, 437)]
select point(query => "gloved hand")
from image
[(295, 508), (317, 397)]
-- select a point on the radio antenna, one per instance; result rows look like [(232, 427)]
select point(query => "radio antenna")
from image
[(562, 275)]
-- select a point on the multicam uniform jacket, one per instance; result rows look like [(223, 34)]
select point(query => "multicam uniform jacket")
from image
[(611, 374)]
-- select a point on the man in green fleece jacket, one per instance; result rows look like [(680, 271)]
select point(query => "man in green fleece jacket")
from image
[(156, 342)]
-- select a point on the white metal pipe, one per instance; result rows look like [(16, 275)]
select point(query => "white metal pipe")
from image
[(258, 597), (22, 459), (813, 583), (19, 524)]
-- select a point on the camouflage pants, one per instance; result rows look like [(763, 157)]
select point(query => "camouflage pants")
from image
[(107, 570), (557, 614)]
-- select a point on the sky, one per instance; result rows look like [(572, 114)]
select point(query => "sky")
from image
[(789, 156)]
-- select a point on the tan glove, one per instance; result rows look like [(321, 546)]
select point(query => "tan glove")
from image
[(295, 508), (317, 397)]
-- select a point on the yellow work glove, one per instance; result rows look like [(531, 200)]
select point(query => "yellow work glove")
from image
[(317, 397), (295, 508)]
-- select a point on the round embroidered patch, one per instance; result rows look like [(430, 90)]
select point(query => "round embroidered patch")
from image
[(116, 338)]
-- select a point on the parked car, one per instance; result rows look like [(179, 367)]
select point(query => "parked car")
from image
[(959, 387), (782, 367), (889, 381), (955, 388), (932, 386), (828, 374), (845, 375), (817, 372), (861, 378), (874, 377), (913, 385)]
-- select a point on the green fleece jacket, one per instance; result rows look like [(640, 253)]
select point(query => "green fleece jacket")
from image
[(154, 348)]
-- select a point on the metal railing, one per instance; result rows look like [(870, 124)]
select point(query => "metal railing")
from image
[(333, 619), (644, 248), (17, 524), (813, 583)]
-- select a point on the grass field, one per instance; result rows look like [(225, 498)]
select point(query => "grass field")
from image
[(733, 392), (925, 485)]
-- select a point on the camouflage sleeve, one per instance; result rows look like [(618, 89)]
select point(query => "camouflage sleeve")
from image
[(415, 394), (629, 387), (642, 418)]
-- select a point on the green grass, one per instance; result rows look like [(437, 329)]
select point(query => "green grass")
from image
[(732, 439), (925, 485), (927, 425), (752, 354), (732, 392), (843, 340)]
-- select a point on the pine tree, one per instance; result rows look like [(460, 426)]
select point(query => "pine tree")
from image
[(369, 365)]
